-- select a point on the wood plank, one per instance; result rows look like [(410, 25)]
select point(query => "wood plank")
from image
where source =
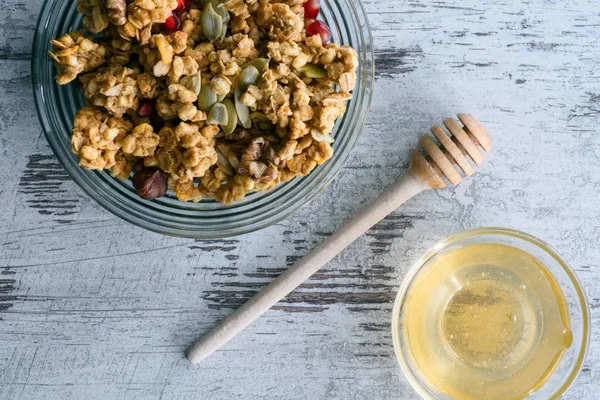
[(92, 307)]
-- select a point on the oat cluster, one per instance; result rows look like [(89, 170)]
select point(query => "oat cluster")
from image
[(225, 97)]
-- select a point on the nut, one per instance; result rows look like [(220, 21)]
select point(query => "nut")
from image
[(215, 98), (150, 183)]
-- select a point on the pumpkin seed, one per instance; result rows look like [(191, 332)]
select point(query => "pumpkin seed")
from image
[(212, 23), (313, 71), (248, 76), (222, 11), (192, 82), (217, 115), (224, 163), (207, 98), (321, 137), (234, 161), (258, 63), (223, 32), (230, 155), (232, 118), (223, 148), (224, 14), (242, 110)]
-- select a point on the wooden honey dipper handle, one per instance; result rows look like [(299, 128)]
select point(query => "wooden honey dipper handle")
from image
[(425, 172)]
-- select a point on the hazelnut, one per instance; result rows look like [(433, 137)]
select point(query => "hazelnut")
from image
[(150, 183)]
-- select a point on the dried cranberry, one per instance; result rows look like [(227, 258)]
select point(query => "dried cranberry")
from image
[(181, 6), (172, 24), (319, 28), (146, 109), (311, 8)]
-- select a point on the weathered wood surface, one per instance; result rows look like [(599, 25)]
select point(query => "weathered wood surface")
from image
[(92, 307)]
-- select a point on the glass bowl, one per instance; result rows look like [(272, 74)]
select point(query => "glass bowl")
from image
[(572, 360), (57, 105)]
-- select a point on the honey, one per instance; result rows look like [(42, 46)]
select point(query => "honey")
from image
[(485, 321)]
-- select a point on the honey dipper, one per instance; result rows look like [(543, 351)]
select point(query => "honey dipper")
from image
[(449, 160)]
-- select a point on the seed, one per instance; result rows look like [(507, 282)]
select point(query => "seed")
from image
[(232, 118), (224, 163), (207, 98), (319, 28), (248, 76), (258, 63), (192, 82), (242, 110), (212, 23), (172, 24), (224, 14), (181, 6), (313, 71), (311, 9), (217, 115)]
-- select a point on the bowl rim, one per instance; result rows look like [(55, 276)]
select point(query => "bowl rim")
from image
[(306, 194), (473, 232)]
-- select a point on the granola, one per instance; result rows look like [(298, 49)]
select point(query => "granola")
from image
[(75, 53), (97, 137), (142, 15), (225, 98), (115, 88)]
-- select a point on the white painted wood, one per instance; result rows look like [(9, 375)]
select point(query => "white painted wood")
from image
[(407, 186), (95, 308)]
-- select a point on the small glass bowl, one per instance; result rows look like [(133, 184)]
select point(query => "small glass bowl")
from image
[(57, 106), (572, 360)]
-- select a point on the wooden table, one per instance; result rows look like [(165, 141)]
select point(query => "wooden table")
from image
[(92, 307)]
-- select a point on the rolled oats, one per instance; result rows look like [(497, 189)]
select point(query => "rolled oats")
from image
[(226, 98), (116, 9), (235, 189), (115, 88), (123, 165), (95, 13), (141, 142), (97, 137), (213, 179), (119, 49), (187, 151), (74, 53), (142, 14), (148, 85), (221, 85)]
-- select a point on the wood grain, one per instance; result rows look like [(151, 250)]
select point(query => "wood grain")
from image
[(94, 308)]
